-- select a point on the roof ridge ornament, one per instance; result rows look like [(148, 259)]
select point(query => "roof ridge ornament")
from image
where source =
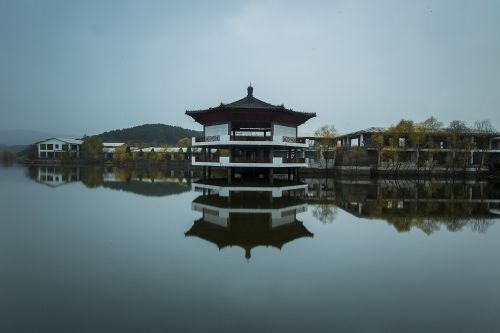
[(250, 90)]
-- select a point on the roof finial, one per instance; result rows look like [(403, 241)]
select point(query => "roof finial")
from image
[(250, 90), (248, 253)]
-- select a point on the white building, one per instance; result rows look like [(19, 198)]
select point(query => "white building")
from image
[(109, 148), (55, 177), (53, 148), (171, 153)]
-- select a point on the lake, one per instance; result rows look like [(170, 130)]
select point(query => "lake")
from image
[(108, 250)]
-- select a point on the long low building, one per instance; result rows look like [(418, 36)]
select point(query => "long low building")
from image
[(382, 150), (55, 148)]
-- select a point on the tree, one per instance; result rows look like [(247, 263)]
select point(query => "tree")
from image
[(140, 154), (92, 177), (184, 142), (401, 136), (156, 156), (430, 125), (484, 126), (423, 139), (457, 140), (325, 136), (31, 152), (326, 132), (458, 126), (377, 141), (123, 154), (92, 149), (325, 211), (8, 158)]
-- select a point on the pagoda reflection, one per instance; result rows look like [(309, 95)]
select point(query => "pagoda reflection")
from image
[(249, 214)]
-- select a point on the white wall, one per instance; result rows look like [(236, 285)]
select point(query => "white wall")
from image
[(57, 147), (220, 129), (218, 220), (279, 221), (53, 142), (280, 130)]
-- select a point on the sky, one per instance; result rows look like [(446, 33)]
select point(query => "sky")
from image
[(84, 67)]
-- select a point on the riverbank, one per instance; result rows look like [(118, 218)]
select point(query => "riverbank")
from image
[(364, 172)]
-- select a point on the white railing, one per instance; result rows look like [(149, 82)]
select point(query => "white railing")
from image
[(270, 141)]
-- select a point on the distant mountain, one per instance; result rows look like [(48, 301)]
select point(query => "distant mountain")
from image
[(148, 189), (15, 149), (151, 134), (26, 137)]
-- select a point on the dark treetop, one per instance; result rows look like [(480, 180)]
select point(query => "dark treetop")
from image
[(149, 133)]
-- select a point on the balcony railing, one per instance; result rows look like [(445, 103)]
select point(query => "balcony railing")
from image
[(207, 159), (250, 138), (250, 160), (210, 138), (293, 139), (294, 160)]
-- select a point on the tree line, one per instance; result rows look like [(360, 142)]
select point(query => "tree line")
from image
[(418, 136)]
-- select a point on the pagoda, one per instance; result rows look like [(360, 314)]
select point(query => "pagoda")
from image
[(250, 137), (249, 216)]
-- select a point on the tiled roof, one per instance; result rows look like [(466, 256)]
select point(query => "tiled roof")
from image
[(65, 140), (249, 102), (113, 144), (369, 130)]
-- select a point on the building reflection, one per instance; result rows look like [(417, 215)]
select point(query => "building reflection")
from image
[(249, 215), (54, 176), (407, 204), (149, 182)]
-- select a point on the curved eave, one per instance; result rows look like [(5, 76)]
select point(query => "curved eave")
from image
[(278, 115), (222, 237)]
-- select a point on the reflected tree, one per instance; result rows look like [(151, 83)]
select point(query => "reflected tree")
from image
[(92, 177), (325, 212)]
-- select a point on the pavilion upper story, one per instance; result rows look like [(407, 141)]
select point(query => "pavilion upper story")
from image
[(250, 121)]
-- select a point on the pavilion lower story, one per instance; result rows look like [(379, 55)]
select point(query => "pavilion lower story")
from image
[(237, 173)]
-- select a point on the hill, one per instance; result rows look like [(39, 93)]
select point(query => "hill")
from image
[(150, 134), (14, 149)]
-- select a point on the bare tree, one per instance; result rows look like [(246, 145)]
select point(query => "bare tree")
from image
[(484, 126), (325, 136), (430, 125)]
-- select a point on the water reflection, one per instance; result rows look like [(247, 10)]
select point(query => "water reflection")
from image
[(249, 214), (407, 204), (151, 182), (118, 261)]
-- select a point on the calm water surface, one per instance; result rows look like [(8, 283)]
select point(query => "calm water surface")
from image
[(94, 251)]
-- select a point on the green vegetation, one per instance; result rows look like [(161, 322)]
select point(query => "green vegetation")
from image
[(7, 158), (326, 135), (92, 177), (410, 142), (184, 142), (92, 149), (149, 134)]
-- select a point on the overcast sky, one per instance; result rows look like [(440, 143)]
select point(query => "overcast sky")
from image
[(89, 66)]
